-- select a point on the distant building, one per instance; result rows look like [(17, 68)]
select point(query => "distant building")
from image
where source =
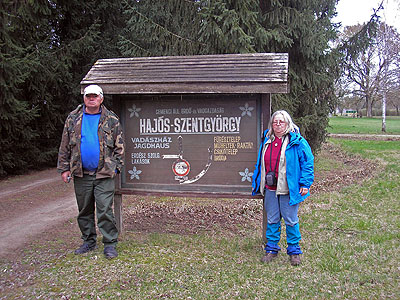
[(349, 113)]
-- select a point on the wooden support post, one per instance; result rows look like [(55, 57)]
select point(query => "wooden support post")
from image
[(264, 224), (118, 211), (265, 116), (118, 204)]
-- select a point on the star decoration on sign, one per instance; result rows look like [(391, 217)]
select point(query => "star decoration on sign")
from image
[(246, 110), (135, 173), (246, 175), (134, 111)]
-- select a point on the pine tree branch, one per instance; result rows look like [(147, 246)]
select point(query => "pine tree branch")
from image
[(135, 45), (162, 28)]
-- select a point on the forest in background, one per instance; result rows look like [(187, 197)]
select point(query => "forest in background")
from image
[(47, 47)]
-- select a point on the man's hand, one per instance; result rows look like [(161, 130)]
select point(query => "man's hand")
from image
[(66, 176)]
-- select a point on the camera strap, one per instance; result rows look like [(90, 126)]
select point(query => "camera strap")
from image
[(270, 156)]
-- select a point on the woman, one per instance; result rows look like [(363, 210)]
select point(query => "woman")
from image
[(284, 173)]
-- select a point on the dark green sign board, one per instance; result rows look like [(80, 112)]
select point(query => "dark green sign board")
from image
[(190, 143)]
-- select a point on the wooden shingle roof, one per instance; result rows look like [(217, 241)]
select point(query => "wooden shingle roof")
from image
[(226, 73)]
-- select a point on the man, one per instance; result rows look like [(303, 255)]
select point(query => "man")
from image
[(91, 152)]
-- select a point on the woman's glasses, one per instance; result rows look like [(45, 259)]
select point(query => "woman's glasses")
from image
[(278, 123)]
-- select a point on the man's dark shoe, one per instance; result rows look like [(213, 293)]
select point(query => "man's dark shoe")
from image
[(267, 258), (110, 252), (295, 260), (84, 249)]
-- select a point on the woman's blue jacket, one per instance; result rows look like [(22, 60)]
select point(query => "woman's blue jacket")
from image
[(299, 167)]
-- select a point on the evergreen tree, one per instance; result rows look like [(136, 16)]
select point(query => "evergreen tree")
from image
[(47, 46), (160, 28), (304, 29), (301, 28), (46, 49), (16, 113)]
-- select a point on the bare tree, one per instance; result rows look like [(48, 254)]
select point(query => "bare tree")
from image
[(389, 42), (361, 73), (370, 73)]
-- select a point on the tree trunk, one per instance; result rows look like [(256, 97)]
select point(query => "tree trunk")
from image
[(384, 112), (369, 107)]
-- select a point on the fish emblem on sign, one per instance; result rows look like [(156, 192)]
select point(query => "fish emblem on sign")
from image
[(181, 166)]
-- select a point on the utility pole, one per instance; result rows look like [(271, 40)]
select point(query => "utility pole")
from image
[(385, 69)]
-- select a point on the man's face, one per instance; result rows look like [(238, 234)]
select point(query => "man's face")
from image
[(93, 101)]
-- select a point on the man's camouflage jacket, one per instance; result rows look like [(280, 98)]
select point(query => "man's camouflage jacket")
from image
[(110, 139)]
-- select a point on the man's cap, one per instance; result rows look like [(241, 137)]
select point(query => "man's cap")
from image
[(93, 89)]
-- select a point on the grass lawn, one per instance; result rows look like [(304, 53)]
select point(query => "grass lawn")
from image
[(363, 125)]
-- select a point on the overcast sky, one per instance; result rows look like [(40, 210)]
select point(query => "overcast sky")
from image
[(352, 12)]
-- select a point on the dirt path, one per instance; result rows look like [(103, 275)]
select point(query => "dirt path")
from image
[(30, 205)]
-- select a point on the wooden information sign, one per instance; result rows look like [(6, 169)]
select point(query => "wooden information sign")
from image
[(190, 143), (192, 124)]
